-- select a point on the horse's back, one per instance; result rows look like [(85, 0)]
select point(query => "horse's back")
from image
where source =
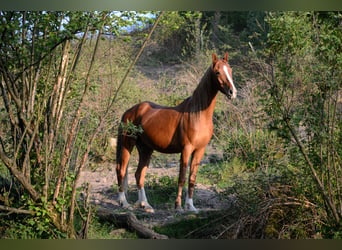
[(135, 113), (160, 124)]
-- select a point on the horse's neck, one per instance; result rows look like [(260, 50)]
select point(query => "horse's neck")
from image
[(204, 97)]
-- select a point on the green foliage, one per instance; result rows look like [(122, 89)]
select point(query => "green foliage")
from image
[(180, 35), (31, 228), (130, 129), (44, 53), (38, 226), (302, 97), (182, 229), (222, 174)]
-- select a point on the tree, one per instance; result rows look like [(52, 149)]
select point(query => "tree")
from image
[(303, 77), (43, 97)]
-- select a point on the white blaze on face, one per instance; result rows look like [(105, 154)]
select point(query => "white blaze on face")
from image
[(230, 79)]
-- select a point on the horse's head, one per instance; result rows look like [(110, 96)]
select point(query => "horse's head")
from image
[(224, 77)]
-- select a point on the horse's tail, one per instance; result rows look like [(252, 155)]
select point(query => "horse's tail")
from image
[(119, 146)]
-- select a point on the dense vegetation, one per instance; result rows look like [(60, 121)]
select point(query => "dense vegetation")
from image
[(61, 97)]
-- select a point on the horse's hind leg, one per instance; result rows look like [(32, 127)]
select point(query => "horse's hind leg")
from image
[(184, 159), (121, 169), (144, 160)]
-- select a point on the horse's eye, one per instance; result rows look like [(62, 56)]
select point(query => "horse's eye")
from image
[(217, 73)]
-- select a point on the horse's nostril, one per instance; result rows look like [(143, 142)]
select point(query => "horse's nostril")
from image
[(230, 91)]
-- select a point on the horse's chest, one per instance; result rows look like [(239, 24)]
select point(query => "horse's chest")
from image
[(200, 132)]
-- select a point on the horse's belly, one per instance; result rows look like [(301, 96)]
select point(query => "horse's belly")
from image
[(161, 132), (161, 143)]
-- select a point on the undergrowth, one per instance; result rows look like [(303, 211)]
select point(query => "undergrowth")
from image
[(264, 206)]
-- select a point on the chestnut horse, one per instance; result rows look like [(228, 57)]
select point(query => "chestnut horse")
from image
[(186, 129)]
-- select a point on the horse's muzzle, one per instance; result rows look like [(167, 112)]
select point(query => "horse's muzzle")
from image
[(228, 92)]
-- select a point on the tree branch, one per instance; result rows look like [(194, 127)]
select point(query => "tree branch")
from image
[(18, 175), (320, 185), (71, 136), (16, 210), (130, 222)]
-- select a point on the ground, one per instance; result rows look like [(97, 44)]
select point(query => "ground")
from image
[(102, 179)]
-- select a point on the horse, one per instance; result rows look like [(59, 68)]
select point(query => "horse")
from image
[(186, 129)]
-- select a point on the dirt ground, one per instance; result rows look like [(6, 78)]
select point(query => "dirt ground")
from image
[(102, 180)]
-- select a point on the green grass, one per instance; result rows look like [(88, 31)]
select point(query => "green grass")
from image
[(182, 228), (222, 174), (162, 191)]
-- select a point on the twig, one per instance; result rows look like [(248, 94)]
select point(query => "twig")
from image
[(16, 210)]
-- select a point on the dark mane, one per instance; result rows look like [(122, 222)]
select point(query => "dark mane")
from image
[(199, 101)]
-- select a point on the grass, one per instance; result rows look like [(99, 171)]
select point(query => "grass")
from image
[(183, 228), (162, 191), (99, 230), (223, 174)]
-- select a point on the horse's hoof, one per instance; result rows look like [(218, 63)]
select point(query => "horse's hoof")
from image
[(193, 211), (145, 206), (149, 210), (190, 208), (125, 205), (179, 210)]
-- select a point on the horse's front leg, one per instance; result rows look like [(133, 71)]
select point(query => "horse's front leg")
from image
[(184, 160), (195, 162)]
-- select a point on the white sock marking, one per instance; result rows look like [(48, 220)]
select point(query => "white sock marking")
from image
[(142, 195), (122, 199), (142, 201), (189, 204)]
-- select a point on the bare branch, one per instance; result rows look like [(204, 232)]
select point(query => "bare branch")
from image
[(71, 136), (16, 210), (18, 175), (328, 201), (130, 222)]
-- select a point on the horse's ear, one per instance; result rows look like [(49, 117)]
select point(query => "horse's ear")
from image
[(214, 58), (226, 56)]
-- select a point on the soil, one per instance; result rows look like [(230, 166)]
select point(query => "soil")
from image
[(102, 180)]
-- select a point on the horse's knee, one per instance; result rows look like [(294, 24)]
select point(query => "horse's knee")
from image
[(181, 182), (138, 179), (192, 179)]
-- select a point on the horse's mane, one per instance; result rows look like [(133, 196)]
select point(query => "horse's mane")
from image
[(204, 93)]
